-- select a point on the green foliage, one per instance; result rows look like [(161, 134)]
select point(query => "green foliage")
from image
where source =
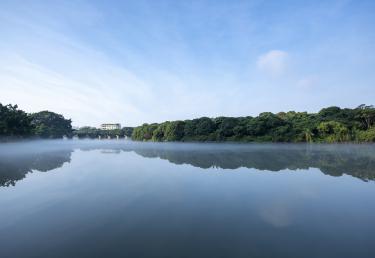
[(144, 132), (333, 131), (87, 132), (174, 131), (160, 132), (127, 131), (50, 125), (92, 132), (225, 126), (366, 136), (366, 115), (204, 126), (14, 122), (331, 124)]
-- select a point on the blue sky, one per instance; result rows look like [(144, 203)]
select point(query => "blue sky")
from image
[(150, 61)]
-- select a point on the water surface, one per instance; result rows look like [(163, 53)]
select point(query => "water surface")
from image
[(126, 199)]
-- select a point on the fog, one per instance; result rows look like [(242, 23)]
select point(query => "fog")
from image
[(19, 158), (41, 146), (189, 197)]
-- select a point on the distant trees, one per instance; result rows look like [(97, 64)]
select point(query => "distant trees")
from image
[(366, 114), (174, 131), (332, 124), (92, 132), (366, 136), (15, 123), (48, 124), (127, 131), (145, 132), (333, 131), (168, 131)]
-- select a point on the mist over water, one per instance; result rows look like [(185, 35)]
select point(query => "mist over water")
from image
[(91, 198), (335, 160)]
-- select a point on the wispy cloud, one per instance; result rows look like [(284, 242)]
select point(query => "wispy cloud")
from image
[(274, 62), (307, 83), (135, 62)]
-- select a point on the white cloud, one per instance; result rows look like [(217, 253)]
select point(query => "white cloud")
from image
[(306, 83), (61, 72), (273, 63), (93, 90), (84, 99)]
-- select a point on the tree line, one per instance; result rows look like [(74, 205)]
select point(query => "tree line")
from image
[(16, 123), (332, 124), (92, 132)]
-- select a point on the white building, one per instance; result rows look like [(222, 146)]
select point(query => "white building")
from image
[(110, 126)]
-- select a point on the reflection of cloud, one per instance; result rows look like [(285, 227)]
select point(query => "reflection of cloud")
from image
[(308, 191), (273, 62), (276, 214)]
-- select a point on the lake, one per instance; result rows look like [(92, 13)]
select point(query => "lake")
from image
[(91, 198)]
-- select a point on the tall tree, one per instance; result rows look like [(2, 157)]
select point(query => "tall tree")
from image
[(366, 114)]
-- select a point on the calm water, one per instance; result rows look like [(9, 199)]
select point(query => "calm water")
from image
[(124, 199)]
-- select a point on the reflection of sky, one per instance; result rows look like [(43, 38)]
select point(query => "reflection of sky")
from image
[(302, 188), (17, 159), (277, 214), (126, 196)]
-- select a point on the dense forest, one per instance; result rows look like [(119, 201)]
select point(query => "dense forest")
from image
[(15, 123), (332, 124), (92, 132)]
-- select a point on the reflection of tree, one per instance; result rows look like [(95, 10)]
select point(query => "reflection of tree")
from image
[(15, 167), (357, 161), (335, 160)]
